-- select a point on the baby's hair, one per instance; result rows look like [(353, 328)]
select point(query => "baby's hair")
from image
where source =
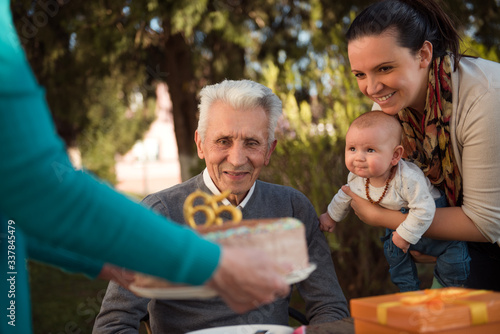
[(379, 118)]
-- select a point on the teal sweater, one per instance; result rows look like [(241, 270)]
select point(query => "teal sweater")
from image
[(68, 211)]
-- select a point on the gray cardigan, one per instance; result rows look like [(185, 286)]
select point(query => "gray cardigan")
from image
[(121, 311)]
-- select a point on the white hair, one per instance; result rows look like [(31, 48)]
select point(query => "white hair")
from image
[(242, 95)]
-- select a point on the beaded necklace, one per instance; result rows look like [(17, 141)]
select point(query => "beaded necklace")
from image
[(367, 188)]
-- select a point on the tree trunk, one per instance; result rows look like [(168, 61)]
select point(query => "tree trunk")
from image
[(171, 61)]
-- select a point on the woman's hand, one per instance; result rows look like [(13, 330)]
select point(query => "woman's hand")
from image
[(365, 210), (247, 279), (373, 214)]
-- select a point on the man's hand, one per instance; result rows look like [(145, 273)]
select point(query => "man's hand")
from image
[(400, 242), (247, 279), (326, 223)]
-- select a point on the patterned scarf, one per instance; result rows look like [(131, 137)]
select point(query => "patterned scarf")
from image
[(426, 138)]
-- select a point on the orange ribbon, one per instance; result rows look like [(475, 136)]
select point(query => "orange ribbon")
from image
[(478, 310)]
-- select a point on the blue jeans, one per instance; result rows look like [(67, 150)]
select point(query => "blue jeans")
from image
[(452, 266)]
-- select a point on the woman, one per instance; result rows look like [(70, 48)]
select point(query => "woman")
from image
[(48, 207), (405, 56)]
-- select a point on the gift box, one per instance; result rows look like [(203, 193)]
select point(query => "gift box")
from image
[(439, 311)]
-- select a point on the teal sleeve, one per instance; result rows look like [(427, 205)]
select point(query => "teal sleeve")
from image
[(62, 258), (69, 209)]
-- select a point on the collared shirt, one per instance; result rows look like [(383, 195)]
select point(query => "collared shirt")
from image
[(213, 188)]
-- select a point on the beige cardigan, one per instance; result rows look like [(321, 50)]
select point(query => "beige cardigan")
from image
[(475, 129)]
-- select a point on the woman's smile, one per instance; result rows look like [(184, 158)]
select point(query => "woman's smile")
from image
[(384, 98)]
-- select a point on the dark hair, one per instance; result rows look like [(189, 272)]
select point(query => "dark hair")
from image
[(415, 22)]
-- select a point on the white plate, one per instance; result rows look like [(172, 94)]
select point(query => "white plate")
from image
[(195, 292), (246, 329), (181, 292)]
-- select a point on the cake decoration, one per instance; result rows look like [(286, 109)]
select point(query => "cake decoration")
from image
[(210, 208)]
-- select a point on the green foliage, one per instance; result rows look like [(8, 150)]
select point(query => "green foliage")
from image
[(186, 15), (114, 128), (473, 48)]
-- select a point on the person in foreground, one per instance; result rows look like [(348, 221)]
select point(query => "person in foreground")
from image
[(235, 137), (45, 204), (377, 173), (405, 56)]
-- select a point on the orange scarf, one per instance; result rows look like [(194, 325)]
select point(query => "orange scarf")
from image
[(426, 138)]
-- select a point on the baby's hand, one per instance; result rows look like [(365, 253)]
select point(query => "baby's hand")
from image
[(400, 242), (326, 223)]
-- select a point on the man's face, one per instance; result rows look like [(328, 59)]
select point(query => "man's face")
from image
[(235, 148)]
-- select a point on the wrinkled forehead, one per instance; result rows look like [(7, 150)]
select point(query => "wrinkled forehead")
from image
[(226, 121)]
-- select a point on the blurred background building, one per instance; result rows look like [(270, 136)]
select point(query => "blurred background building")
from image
[(153, 162)]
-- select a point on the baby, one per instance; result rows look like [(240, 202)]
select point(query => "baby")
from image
[(377, 173)]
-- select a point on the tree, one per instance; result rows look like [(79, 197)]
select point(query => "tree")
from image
[(188, 44), (88, 71)]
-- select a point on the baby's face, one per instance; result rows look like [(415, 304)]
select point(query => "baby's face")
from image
[(369, 151)]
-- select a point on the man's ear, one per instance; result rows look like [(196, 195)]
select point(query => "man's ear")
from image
[(397, 155), (199, 148), (272, 147)]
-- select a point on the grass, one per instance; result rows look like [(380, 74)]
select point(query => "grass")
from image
[(64, 303)]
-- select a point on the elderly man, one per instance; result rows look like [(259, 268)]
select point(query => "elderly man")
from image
[(235, 137)]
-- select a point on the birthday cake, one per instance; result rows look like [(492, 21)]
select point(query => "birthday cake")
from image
[(282, 239)]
